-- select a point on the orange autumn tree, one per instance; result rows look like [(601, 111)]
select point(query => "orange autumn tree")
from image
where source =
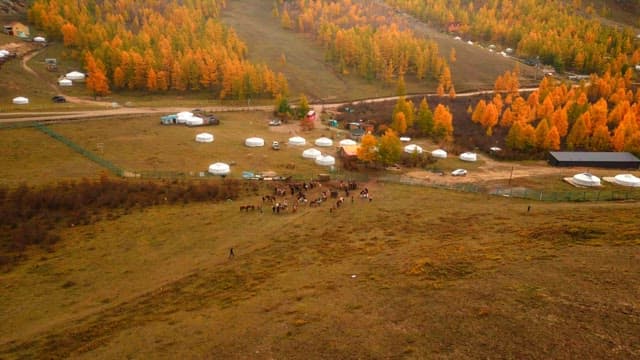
[(442, 123), (96, 79), (367, 151), (182, 43)]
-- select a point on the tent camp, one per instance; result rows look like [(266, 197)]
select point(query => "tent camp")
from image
[(220, 169), (254, 142), (311, 153), (20, 100), (468, 156), (347, 142), (75, 75), (204, 138), (324, 142), (413, 149), (586, 179), (297, 141), (439, 153), (325, 160)]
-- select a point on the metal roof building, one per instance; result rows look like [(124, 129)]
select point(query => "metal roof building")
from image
[(614, 160)]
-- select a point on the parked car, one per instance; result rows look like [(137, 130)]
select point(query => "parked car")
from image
[(58, 99), (275, 122), (275, 145), (459, 172)]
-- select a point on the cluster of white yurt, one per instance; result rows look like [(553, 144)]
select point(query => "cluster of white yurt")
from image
[(20, 100), (324, 142), (297, 141), (75, 76), (627, 180), (220, 169), (439, 153), (468, 156), (586, 179), (347, 142), (204, 138), (311, 153), (65, 82), (254, 142), (413, 149), (325, 160)]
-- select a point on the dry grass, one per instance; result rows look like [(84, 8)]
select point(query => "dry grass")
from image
[(437, 274)]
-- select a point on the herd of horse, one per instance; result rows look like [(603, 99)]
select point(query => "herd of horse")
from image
[(295, 194)]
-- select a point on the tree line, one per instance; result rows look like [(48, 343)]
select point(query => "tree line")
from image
[(156, 46), (602, 114), (567, 35), (366, 39)]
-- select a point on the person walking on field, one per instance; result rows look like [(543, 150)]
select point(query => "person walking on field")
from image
[(231, 254)]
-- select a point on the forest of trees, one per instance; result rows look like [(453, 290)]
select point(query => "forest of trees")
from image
[(566, 35), (602, 114), (366, 40), (156, 46)]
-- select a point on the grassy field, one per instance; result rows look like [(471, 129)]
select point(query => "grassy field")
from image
[(451, 276), (415, 273), (143, 145)]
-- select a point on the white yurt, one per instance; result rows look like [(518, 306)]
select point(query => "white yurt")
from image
[(194, 121), (254, 142), (413, 148), (4, 52), (75, 75), (311, 153), (65, 82), (218, 168), (20, 100), (324, 142), (627, 180), (182, 117), (405, 139), (439, 153), (347, 142), (204, 138), (297, 141), (468, 156), (586, 179), (325, 160), (39, 39)]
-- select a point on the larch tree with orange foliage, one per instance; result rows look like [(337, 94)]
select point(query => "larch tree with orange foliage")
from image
[(552, 142), (600, 139), (578, 137), (442, 123), (489, 118), (367, 151), (399, 123), (96, 81), (542, 131)]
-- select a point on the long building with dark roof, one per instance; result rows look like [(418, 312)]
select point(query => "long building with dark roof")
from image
[(602, 159)]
